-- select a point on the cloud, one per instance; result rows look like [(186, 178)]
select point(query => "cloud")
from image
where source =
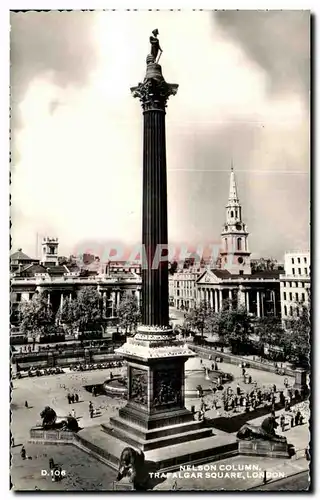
[(55, 43), (79, 171), (279, 41)]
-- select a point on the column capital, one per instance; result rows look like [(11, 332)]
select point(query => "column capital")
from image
[(154, 91)]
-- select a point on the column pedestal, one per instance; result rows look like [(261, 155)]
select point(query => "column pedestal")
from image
[(155, 415)]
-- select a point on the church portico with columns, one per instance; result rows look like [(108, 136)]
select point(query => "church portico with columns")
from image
[(259, 293)]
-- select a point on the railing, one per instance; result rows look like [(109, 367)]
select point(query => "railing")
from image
[(235, 359)]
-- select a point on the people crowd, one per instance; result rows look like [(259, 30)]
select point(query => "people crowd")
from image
[(228, 401)]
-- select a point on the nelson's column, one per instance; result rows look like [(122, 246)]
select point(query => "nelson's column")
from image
[(155, 419)]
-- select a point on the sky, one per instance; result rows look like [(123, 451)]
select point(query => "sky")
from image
[(76, 131)]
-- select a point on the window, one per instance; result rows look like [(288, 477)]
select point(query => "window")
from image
[(299, 270), (290, 313), (298, 260), (292, 260), (226, 243), (305, 270), (298, 312), (238, 243), (285, 310), (290, 296), (293, 271), (297, 296), (303, 297), (241, 272), (305, 260), (231, 213), (18, 297), (284, 296), (302, 284)]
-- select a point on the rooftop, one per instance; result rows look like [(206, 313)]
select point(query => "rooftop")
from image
[(19, 255)]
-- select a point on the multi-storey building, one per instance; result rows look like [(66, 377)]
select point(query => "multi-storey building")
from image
[(182, 289), (295, 285), (61, 282)]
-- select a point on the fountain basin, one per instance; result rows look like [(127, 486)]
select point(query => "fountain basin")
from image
[(116, 387)]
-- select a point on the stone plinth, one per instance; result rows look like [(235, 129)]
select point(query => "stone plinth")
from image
[(123, 485), (300, 382), (264, 448)]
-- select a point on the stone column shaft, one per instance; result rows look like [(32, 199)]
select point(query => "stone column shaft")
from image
[(155, 291), (258, 304)]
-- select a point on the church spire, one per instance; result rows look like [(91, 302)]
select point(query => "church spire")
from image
[(235, 253), (233, 192)]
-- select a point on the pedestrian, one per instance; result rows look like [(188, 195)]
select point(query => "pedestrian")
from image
[(111, 375), (26, 404), (91, 411), (238, 390), (76, 397), (274, 388), (297, 418), (292, 420), (23, 453), (69, 398), (51, 463), (282, 398), (202, 405), (73, 413), (307, 454), (283, 422)]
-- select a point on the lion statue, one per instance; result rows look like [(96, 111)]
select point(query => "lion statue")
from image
[(49, 421), (131, 465), (49, 417), (264, 432)]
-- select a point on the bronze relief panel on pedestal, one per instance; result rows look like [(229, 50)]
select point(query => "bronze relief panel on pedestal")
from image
[(138, 386), (167, 388)]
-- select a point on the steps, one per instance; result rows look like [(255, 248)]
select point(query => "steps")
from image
[(140, 442)]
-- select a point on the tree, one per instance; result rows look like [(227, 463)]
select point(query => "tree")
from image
[(197, 318), (269, 331), (36, 315), (128, 313), (68, 313), (234, 327), (85, 311), (263, 264), (296, 340)]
